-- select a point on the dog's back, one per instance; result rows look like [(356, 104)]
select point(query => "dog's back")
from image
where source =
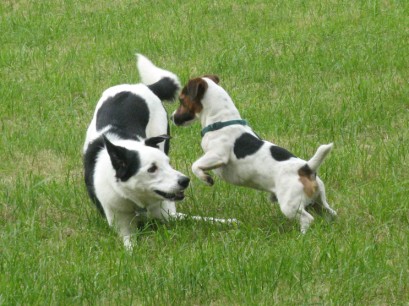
[(130, 112)]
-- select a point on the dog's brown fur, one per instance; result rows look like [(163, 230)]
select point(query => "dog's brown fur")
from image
[(307, 178)]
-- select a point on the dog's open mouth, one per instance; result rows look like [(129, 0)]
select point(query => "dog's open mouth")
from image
[(177, 196)]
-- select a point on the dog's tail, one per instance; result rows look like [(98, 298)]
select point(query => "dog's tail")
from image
[(308, 174), (315, 162), (162, 83)]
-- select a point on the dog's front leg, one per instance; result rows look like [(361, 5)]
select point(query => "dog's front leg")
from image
[(126, 224), (162, 211), (207, 162)]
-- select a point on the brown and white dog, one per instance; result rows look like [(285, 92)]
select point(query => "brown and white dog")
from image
[(237, 155)]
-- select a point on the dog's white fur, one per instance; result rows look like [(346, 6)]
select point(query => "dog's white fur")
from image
[(155, 124), (150, 73), (258, 170), (125, 203)]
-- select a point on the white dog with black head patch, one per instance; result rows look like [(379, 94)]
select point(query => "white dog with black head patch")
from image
[(126, 167), (237, 155)]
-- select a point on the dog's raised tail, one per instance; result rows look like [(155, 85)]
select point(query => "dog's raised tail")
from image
[(161, 82), (315, 162)]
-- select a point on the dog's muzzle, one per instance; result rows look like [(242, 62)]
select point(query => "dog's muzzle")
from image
[(182, 119), (183, 182), (177, 196)]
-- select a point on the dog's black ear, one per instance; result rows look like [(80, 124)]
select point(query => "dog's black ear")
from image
[(213, 77), (126, 163), (154, 141), (196, 88)]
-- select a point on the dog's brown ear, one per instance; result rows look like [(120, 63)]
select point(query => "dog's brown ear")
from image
[(196, 88), (213, 77)]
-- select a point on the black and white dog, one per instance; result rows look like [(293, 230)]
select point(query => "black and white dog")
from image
[(126, 174), (126, 167), (236, 154)]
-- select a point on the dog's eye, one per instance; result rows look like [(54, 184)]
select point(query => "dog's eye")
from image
[(153, 168)]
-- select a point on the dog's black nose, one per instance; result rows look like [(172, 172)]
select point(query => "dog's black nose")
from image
[(184, 181)]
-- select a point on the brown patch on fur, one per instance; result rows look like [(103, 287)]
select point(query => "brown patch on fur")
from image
[(195, 89), (307, 178), (190, 100)]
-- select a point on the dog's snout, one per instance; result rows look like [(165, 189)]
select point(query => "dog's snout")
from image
[(184, 181)]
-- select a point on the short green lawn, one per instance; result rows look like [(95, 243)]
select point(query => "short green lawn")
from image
[(303, 73)]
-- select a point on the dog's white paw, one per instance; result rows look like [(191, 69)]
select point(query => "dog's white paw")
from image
[(128, 243), (332, 212)]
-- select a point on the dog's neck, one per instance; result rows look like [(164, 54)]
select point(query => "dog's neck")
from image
[(217, 107), (221, 116)]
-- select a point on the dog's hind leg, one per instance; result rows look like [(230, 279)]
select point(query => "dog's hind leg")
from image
[(322, 200), (292, 204), (300, 213), (305, 220)]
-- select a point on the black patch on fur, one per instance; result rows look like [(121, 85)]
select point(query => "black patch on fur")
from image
[(246, 144), (125, 162), (127, 113), (165, 89), (280, 154), (155, 141), (133, 163), (90, 156), (167, 142)]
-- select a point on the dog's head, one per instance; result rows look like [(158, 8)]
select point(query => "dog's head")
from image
[(191, 98), (143, 172)]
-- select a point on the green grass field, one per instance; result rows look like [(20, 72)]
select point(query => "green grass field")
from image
[(302, 73)]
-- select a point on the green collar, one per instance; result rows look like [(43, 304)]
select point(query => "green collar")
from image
[(219, 125)]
